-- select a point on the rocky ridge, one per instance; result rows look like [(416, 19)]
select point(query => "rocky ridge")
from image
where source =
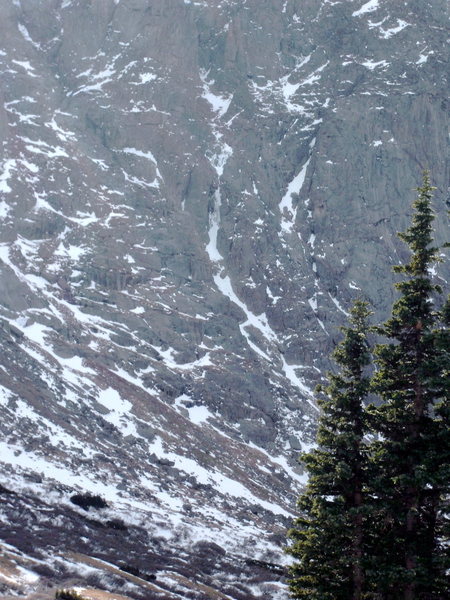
[(191, 195)]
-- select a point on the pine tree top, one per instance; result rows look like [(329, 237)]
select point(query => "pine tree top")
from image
[(413, 311), (419, 236), (352, 354)]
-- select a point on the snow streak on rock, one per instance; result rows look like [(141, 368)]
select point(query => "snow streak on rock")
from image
[(288, 211), (368, 7)]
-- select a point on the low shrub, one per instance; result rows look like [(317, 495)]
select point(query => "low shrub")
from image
[(68, 595), (88, 500), (117, 524), (130, 569)]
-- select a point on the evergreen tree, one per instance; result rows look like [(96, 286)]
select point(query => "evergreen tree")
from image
[(411, 457), (375, 518), (328, 540)]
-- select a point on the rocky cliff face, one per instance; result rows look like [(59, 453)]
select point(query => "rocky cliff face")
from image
[(192, 192)]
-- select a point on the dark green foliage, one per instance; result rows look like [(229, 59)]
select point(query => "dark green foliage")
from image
[(263, 564), (88, 500), (6, 491), (375, 515), (116, 524), (411, 458), (68, 595), (130, 569), (134, 570), (328, 541)]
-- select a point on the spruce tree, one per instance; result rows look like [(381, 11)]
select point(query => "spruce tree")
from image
[(328, 539), (412, 453)]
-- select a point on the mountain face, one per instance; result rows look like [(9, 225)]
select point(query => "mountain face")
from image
[(192, 193)]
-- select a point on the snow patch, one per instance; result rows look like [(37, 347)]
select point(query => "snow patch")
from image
[(119, 410), (4, 209), (7, 169), (5, 395), (290, 372), (259, 322), (423, 58), (286, 205), (25, 64), (220, 157), (314, 75), (338, 306), (74, 253), (214, 222), (371, 64), (145, 78), (388, 33), (366, 8), (24, 31), (41, 147), (148, 155), (219, 104), (197, 414), (223, 484), (142, 183)]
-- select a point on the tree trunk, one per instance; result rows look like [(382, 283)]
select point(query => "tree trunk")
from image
[(410, 559), (412, 494), (358, 575)]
